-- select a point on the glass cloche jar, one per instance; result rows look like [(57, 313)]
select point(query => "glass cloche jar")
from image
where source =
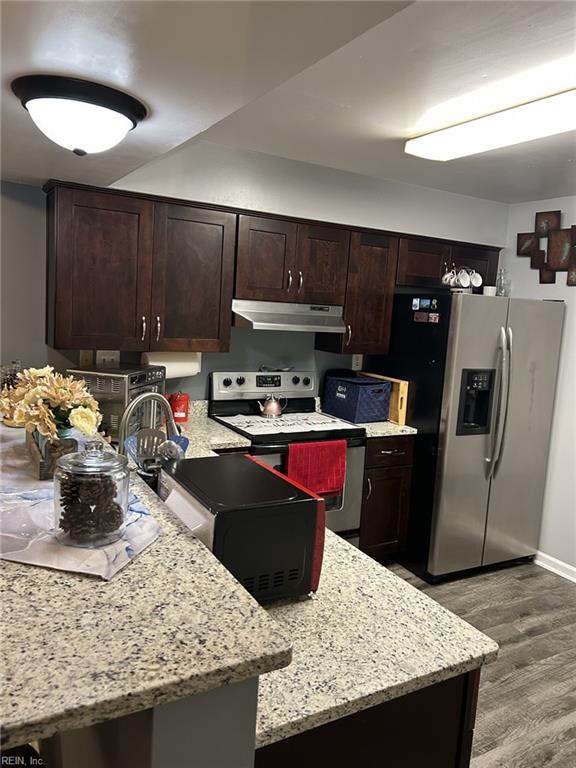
[(91, 496)]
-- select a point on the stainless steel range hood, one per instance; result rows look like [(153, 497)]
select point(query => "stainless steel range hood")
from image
[(278, 316)]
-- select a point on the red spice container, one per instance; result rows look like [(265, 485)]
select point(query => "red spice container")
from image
[(180, 404)]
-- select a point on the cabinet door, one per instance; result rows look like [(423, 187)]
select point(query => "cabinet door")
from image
[(99, 270), (265, 264), (422, 262), (484, 261), (322, 265), (384, 519), (192, 279)]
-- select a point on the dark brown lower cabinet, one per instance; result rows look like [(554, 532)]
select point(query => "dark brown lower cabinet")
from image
[(432, 727), (386, 503), (384, 520)]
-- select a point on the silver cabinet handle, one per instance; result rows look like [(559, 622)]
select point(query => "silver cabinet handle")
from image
[(300, 281), (158, 327), (393, 452), (143, 327), (289, 280), (349, 334), (369, 489)]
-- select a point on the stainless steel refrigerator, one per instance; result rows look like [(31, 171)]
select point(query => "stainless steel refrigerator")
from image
[(483, 377)]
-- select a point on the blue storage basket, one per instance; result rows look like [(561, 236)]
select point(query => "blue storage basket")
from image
[(358, 399)]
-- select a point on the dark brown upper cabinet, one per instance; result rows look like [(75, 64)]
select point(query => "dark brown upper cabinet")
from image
[(192, 281), (322, 265), (422, 262), (99, 270), (483, 260), (283, 261), (130, 273), (266, 259), (136, 272), (369, 297)]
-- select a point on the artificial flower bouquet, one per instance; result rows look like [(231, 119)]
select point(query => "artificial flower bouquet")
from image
[(49, 403), (57, 411)]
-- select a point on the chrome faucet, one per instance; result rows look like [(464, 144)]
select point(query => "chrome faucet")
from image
[(153, 397)]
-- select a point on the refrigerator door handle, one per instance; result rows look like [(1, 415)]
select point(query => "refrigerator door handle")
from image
[(502, 393), (504, 414)]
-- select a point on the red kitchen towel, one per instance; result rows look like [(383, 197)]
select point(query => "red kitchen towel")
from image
[(321, 466)]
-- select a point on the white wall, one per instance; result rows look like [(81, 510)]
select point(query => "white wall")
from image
[(23, 278), (211, 173), (558, 537)]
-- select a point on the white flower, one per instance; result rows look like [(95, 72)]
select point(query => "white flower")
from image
[(40, 373), (84, 419)]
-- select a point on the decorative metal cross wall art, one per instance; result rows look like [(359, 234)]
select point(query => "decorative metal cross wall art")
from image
[(551, 249)]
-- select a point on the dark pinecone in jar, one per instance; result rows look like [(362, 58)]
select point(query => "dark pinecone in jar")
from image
[(97, 489), (79, 521), (89, 507), (69, 491), (109, 516)]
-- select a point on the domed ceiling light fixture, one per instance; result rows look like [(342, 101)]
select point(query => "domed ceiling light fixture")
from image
[(79, 115)]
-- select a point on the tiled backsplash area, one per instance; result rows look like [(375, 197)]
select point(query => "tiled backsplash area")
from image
[(249, 349)]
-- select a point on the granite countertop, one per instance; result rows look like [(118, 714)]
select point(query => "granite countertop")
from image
[(173, 623), (367, 636), (207, 435), (386, 429), (77, 650)]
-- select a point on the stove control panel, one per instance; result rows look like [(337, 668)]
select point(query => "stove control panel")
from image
[(252, 385)]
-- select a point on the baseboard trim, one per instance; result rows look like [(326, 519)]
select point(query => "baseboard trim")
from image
[(556, 566)]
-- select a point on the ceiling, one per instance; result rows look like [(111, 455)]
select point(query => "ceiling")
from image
[(192, 63), (338, 84), (431, 65)]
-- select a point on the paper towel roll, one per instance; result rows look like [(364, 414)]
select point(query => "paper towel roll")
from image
[(178, 364)]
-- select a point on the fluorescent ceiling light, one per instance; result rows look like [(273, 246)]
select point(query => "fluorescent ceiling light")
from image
[(545, 117), (495, 95), (78, 115)]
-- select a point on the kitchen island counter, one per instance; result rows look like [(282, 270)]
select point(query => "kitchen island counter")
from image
[(366, 637), (77, 650), (173, 623)]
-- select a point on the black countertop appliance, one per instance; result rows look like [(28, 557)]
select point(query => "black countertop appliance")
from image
[(267, 530)]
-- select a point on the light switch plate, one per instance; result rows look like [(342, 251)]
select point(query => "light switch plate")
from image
[(357, 362), (107, 358), (86, 358)]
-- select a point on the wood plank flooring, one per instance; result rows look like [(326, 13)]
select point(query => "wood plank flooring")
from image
[(527, 704)]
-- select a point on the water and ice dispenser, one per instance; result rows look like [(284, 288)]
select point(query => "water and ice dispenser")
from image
[(475, 407)]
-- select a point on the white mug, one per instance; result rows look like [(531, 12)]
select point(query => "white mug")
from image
[(448, 276), (463, 279), (475, 279), (489, 290)]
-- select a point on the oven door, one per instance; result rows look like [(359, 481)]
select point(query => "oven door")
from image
[(342, 510)]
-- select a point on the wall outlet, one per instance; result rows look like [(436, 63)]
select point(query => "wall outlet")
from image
[(107, 358), (357, 362)]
